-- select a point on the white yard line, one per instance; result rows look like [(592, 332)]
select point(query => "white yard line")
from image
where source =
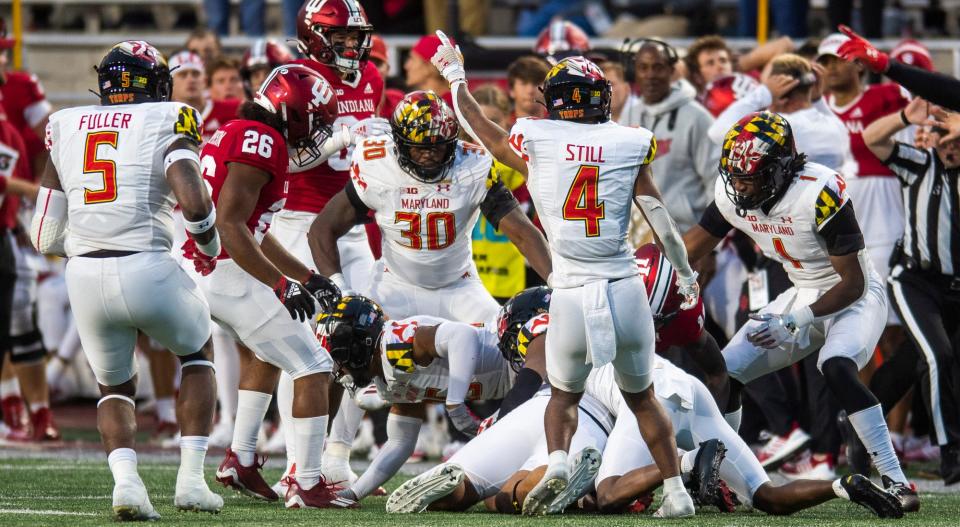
[(46, 512)]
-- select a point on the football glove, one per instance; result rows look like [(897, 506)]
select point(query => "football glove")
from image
[(369, 127), (464, 420), (777, 329), (449, 61), (202, 263), (324, 290), (295, 298), (689, 289), (860, 49)]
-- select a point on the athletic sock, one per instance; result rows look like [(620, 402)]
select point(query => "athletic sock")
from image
[(733, 418), (309, 433), (687, 459), (839, 490), (166, 410), (674, 484), (871, 427), (193, 449), (9, 387), (123, 464), (251, 407), (285, 410)]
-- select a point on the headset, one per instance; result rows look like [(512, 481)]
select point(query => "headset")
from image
[(630, 47)]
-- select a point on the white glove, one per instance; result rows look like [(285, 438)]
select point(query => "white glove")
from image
[(690, 290), (338, 278), (777, 329), (463, 419), (302, 160), (449, 61), (369, 399), (369, 127)]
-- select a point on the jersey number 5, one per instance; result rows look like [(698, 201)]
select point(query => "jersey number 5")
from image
[(106, 168), (436, 221), (583, 200)]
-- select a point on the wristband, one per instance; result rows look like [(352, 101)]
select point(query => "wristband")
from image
[(903, 118), (339, 280), (202, 226), (177, 155), (211, 248)]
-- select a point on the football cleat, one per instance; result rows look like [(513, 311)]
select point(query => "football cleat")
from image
[(904, 492), (320, 496), (864, 492), (131, 502), (705, 477), (197, 497), (44, 429), (246, 480), (781, 448), (676, 505), (583, 470), (416, 494), (810, 466), (641, 504), (554, 480)]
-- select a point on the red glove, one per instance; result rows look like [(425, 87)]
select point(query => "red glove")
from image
[(202, 263), (861, 50)]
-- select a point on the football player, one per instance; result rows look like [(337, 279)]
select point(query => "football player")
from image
[(120, 275), (25, 104), (578, 164), (800, 215), (245, 163), (412, 361)]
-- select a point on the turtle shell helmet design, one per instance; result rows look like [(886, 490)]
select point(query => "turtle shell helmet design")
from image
[(513, 316), (423, 120), (576, 90), (759, 149), (133, 71)]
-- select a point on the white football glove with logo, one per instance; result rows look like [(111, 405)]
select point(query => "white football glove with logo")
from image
[(302, 160), (369, 127), (690, 290), (777, 329), (449, 61)]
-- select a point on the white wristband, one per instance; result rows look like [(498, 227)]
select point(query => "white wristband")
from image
[(177, 155), (337, 278), (204, 225)]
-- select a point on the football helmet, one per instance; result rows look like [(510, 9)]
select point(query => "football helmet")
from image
[(660, 278), (562, 39), (722, 92), (513, 316), (265, 53), (575, 90), (351, 333), (306, 103), (422, 120), (317, 19), (759, 150), (133, 71)]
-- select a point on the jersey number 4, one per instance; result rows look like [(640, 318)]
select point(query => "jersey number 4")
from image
[(106, 168), (583, 200), (437, 222)]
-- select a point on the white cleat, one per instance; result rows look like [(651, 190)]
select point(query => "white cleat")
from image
[(676, 505), (416, 494), (583, 470), (197, 497), (131, 503), (554, 481), (222, 435)]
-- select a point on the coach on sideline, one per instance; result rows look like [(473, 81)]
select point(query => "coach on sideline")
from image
[(924, 282)]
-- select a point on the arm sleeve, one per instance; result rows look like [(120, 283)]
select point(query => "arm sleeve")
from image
[(48, 229), (460, 345), (842, 233), (524, 387), (666, 230), (937, 88), (713, 221), (363, 212), (908, 163), (757, 99), (498, 201), (402, 433)]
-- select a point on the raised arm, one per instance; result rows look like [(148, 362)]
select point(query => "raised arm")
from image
[(878, 136)]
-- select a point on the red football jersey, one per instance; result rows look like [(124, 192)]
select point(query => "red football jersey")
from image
[(13, 163), (310, 190), (875, 102), (723, 91), (255, 144), (24, 103), (675, 327), (216, 113)]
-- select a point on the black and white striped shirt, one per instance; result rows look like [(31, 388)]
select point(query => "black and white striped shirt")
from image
[(931, 201)]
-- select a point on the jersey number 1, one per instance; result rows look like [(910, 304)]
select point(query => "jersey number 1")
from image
[(583, 200), (106, 168)]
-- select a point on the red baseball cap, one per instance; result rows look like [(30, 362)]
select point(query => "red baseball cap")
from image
[(427, 46), (913, 53), (378, 49)]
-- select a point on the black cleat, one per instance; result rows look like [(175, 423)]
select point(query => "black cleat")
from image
[(864, 492), (950, 463), (705, 477), (857, 456), (904, 492)]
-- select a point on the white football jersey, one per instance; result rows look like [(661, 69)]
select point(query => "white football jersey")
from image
[(581, 179), (405, 382), (110, 163), (426, 227), (790, 233), (669, 382)]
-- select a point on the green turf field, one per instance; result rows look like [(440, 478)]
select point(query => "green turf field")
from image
[(77, 493)]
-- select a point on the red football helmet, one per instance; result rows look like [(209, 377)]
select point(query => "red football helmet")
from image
[(307, 104), (661, 280), (317, 19), (562, 39), (723, 91)]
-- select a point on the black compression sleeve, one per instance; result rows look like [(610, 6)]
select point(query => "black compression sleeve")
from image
[(713, 221), (940, 89), (362, 209), (526, 385), (498, 202), (842, 232)]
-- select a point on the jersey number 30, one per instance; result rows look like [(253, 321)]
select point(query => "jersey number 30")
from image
[(106, 168), (583, 200), (437, 222)]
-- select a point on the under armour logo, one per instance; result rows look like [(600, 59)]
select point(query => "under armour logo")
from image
[(443, 187)]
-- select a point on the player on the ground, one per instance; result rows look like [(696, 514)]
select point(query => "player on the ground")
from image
[(579, 164), (413, 361), (250, 296), (799, 214), (106, 202)]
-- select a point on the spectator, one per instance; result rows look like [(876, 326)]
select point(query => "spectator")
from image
[(223, 79), (290, 9), (619, 87), (264, 55), (189, 81), (709, 64), (252, 16), (204, 43), (686, 164), (391, 96), (524, 77), (472, 19), (421, 75)]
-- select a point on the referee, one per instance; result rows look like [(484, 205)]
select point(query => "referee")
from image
[(924, 282)]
